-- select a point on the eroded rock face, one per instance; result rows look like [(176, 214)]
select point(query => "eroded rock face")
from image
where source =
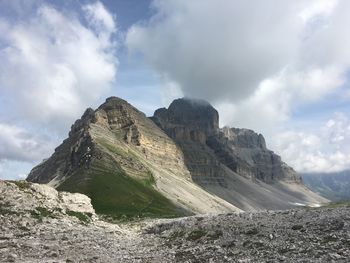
[(115, 120), (244, 138), (245, 152), (188, 120), (71, 154), (194, 126)]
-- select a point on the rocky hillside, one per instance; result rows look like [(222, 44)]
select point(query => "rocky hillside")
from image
[(177, 163), (39, 224), (232, 163)]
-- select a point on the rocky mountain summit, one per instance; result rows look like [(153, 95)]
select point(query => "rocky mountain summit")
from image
[(195, 122), (179, 162), (230, 162), (39, 224), (188, 120)]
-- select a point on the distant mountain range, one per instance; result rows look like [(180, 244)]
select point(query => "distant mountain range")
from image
[(334, 186), (178, 162)]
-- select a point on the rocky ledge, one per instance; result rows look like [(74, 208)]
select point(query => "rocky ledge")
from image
[(39, 224)]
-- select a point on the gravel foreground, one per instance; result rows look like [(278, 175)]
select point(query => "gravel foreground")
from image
[(317, 235), (39, 224)]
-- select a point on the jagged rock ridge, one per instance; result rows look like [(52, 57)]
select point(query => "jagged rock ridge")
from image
[(242, 150), (216, 156)]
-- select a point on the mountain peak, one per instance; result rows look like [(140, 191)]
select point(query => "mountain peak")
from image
[(193, 102), (188, 119), (114, 98), (193, 124)]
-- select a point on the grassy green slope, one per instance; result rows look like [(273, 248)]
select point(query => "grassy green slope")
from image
[(115, 194)]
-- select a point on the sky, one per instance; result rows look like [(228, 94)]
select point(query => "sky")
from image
[(280, 68)]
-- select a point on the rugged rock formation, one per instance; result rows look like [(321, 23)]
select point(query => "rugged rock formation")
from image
[(117, 155), (129, 166), (242, 150), (245, 153), (188, 120), (39, 224), (230, 162)]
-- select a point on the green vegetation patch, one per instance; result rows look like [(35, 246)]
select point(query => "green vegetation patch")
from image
[(22, 185), (196, 234), (337, 204), (112, 148), (41, 212), (84, 218), (149, 181), (117, 195)]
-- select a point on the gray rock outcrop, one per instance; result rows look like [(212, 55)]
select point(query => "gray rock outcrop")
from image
[(188, 120), (232, 163), (191, 122)]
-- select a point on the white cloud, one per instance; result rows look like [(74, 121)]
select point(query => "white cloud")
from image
[(318, 8), (271, 104), (18, 144), (53, 66), (217, 49), (323, 150), (99, 17), (14, 170), (265, 108), (224, 50), (169, 92), (257, 62), (20, 150)]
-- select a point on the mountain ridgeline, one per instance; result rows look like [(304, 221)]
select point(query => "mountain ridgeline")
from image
[(178, 162)]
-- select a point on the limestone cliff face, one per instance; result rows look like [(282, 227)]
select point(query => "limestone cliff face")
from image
[(244, 138), (118, 119), (114, 124), (188, 120), (69, 155), (194, 126), (231, 163), (245, 152)]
